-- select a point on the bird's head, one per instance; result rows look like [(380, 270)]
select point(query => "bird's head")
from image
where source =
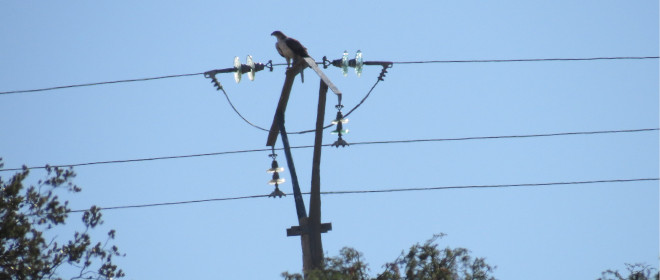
[(278, 34)]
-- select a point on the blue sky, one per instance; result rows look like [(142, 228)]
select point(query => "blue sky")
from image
[(557, 232)]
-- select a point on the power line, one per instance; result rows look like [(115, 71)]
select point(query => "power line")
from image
[(494, 186), (528, 60), (174, 203), (397, 62), (385, 191), (145, 159), (352, 144), (102, 83), (506, 136), (239, 113)]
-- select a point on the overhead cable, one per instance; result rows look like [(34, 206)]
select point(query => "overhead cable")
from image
[(547, 184), (102, 83), (396, 62), (352, 144)]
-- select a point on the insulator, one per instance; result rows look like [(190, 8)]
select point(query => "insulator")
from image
[(237, 72), (358, 63), (216, 83), (344, 64), (253, 68)]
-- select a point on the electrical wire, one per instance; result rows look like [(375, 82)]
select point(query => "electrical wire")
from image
[(296, 132), (352, 144), (380, 78), (303, 131), (506, 136), (383, 191), (492, 186), (397, 62), (102, 83), (527, 60), (239, 113), (174, 203), (365, 97), (143, 159)]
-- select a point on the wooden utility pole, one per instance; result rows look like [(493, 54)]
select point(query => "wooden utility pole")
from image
[(309, 228), (316, 246), (308, 261)]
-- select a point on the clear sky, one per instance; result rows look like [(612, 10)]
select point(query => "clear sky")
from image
[(551, 232)]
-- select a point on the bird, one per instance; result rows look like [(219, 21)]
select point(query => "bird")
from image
[(290, 49)]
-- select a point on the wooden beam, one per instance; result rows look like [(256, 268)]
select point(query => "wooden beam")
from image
[(297, 195), (298, 230), (284, 100), (315, 230)]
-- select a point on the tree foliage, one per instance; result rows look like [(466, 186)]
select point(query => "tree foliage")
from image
[(422, 262), (636, 271), (28, 252), (347, 266), (428, 262)]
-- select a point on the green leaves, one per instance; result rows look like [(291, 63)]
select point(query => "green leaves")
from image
[(27, 213)]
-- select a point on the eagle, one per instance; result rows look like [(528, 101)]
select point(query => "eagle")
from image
[(290, 49)]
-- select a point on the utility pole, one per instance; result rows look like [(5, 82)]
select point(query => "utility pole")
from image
[(315, 230), (309, 228), (303, 221)]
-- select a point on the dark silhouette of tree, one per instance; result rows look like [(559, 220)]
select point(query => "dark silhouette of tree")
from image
[(636, 271), (428, 262), (26, 214), (422, 262)]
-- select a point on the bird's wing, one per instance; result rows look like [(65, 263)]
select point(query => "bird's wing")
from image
[(277, 46), (296, 47)]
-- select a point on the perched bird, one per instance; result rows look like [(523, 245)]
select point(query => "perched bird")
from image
[(290, 49)]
